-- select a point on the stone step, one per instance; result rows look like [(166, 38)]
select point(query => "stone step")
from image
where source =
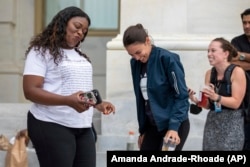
[(33, 162), (108, 143), (105, 143), (113, 143)]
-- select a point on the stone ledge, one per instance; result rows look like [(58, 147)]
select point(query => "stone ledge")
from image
[(174, 41)]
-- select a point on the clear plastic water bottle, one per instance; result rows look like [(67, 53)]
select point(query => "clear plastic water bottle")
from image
[(168, 145), (131, 141)]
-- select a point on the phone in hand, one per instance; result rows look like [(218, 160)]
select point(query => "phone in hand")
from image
[(92, 96)]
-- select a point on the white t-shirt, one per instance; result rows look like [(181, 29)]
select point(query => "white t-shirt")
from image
[(143, 85), (72, 74)]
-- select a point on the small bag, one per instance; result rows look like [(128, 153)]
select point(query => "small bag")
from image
[(4, 143), (195, 109), (17, 154)]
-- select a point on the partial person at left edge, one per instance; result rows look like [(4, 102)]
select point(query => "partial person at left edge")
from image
[(56, 73)]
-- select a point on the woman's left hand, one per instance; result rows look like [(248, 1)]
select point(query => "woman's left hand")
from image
[(105, 107)]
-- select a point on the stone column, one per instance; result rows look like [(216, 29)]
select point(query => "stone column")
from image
[(182, 26), (17, 26)]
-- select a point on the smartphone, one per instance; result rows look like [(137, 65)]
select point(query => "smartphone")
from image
[(92, 96)]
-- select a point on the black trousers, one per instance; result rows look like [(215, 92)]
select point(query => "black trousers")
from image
[(153, 139), (60, 146)]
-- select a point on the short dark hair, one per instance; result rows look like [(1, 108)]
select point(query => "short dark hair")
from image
[(246, 12), (134, 34)]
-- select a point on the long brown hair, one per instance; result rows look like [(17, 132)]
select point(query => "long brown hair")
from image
[(227, 46)]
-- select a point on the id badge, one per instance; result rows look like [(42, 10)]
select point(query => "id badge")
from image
[(217, 107)]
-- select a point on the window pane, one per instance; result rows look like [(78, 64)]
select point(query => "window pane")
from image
[(103, 13), (52, 7)]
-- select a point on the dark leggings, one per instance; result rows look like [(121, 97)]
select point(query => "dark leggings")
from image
[(247, 137), (153, 139), (60, 146)]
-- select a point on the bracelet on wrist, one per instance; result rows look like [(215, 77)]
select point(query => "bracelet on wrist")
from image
[(218, 99)]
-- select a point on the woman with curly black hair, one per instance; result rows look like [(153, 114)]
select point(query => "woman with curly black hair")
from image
[(56, 73)]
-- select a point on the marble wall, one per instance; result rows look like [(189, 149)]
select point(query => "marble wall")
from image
[(182, 26), (16, 25)]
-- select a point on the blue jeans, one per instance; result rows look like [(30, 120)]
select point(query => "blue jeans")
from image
[(60, 146)]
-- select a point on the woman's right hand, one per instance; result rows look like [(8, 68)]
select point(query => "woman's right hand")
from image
[(192, 97), (75, 101)]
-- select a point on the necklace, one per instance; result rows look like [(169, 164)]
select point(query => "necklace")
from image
[(217, 85)]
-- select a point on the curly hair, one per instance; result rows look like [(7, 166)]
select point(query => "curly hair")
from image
[(52, 38)]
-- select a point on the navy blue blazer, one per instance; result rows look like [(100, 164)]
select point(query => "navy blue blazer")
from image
[(166, 88)]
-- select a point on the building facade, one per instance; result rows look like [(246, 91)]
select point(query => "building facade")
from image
[(182, 26)]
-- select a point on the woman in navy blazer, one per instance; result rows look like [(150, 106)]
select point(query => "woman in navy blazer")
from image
[(160, 91)]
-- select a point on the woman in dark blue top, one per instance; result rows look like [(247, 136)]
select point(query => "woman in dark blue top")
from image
[(160, 90), (224, 126)]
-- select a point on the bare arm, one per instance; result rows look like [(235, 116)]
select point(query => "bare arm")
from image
[(247, 56), (238, 80), (238, 89), (244, 64), (33, 91)]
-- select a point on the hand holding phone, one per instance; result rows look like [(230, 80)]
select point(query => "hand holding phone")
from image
[(92, 97)]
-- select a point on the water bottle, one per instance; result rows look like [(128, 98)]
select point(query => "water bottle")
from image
[(168, 145), (131, 141)]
